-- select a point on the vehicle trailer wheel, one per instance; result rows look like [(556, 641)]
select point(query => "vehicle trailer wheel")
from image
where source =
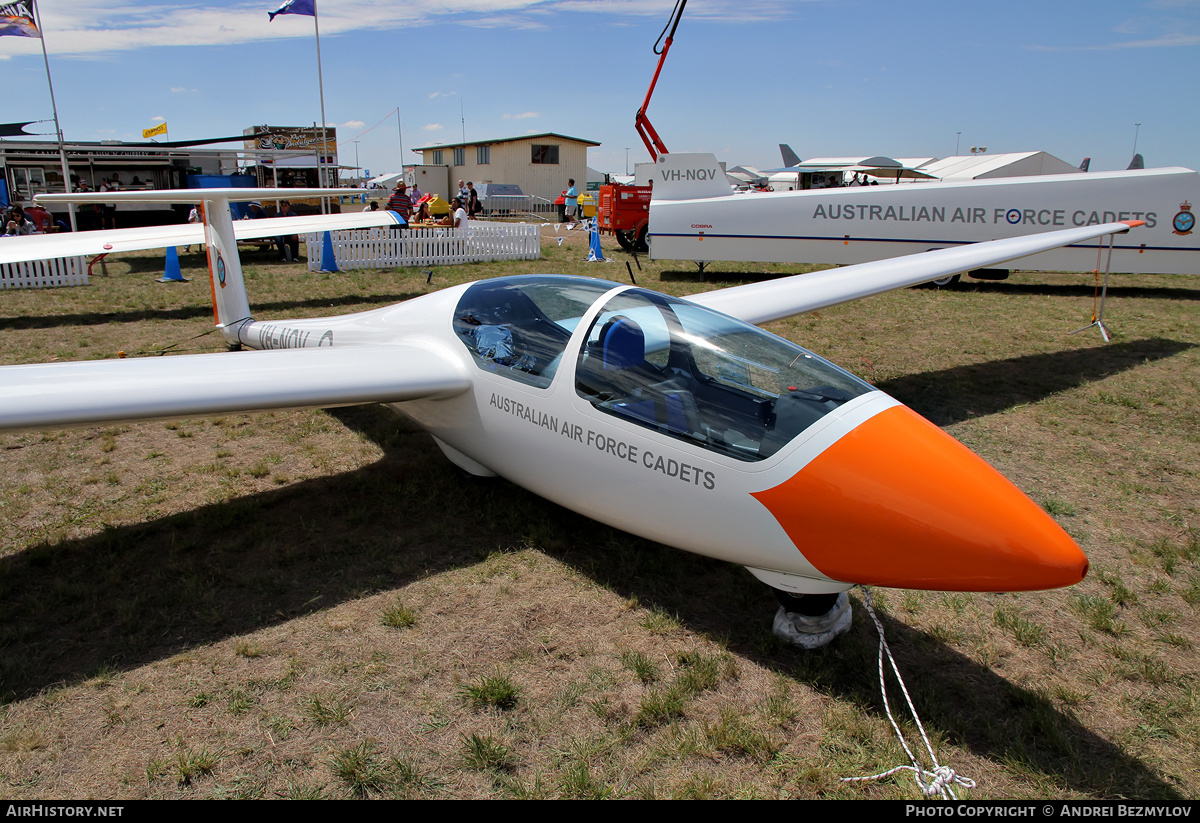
[(625, 239), (946, 282), (643, 239)]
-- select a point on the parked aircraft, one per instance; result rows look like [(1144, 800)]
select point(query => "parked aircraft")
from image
[(676, 420)]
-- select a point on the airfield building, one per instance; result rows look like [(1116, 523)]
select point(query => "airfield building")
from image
[(540, 164)]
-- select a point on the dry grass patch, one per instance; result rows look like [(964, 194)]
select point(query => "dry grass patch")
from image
[(315, 604)]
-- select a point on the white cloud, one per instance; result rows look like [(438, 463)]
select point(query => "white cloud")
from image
[(505, 21), (181, 90), (87, 27), (159, 118), (525, 115), (352, 124), (432, 127), (724, 11), (435, 95), (1172, 40)]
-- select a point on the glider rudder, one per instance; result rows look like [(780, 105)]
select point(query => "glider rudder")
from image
[(231, 308)]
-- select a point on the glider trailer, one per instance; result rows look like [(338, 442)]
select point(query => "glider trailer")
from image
[(694, 215)]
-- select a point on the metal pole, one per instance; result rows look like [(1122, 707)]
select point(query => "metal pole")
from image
[(957, 138), (321, 85), (400, 132), (62, 152)]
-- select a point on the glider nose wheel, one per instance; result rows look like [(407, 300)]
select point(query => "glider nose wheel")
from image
[(811, 621)]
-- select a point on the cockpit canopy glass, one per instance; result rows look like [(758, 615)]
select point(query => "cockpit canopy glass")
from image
[(518, 327), (706, 378)]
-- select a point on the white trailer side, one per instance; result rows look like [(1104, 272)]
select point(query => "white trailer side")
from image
[(694, 218)]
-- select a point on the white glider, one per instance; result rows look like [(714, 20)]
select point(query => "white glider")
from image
[(672, 419)]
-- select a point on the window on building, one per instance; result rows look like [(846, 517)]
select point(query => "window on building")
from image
[(545, 155), (460, 157), (437, 157), (483, 155)]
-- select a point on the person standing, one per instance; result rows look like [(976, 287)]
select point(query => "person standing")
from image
[(289, 244), (400, 202), (108, 211), (472, 201), (571, 196), (193, 217)]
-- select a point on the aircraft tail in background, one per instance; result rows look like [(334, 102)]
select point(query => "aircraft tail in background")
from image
[(1136, 163), (1087, 161), (789, 156)]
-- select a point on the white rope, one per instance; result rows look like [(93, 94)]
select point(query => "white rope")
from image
[(941, 778)]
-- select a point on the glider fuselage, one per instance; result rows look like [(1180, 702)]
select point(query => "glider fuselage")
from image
[(687, 441)]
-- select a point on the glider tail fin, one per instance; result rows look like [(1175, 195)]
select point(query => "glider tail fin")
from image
[(689, 177), (231, 308)]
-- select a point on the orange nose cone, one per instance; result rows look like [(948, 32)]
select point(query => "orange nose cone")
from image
[(898, 502)]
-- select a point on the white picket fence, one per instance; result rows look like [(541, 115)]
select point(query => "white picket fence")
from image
[(386, 248), (44, 274)]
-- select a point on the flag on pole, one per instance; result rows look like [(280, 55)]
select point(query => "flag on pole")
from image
[(161, 128), (308, 7), (17, 129), (16, 18)]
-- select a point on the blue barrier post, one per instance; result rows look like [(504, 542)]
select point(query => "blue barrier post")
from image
[(328, 261), (171, 271)]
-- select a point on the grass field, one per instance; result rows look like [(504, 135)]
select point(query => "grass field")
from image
[(317, 604)]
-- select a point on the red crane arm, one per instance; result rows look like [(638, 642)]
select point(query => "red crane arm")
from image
[(641, 122)]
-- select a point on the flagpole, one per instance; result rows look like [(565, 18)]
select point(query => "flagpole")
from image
[(62, 152), (322, 174)]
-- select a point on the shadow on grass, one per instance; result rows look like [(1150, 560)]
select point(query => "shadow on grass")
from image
[(190, 312), (1124, 288), (136, 594), (1119, 289), (969, 704), (964, 392)]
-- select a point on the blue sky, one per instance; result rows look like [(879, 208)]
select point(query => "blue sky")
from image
[(829, 77)]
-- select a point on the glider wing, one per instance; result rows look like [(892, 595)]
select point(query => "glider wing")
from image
[(763, 302), (45, 246), (57, 395)]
